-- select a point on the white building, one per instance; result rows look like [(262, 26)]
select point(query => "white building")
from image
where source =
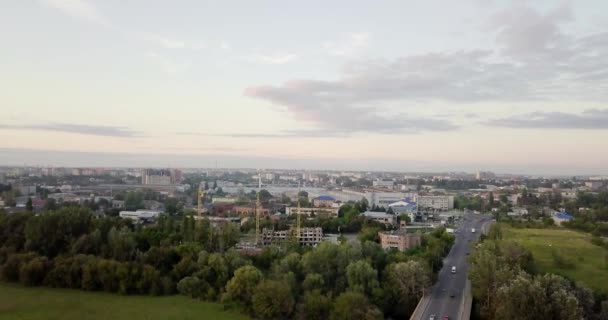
[(328, 211), (383, 183), (383, 199), (139, 215), (442, 203)]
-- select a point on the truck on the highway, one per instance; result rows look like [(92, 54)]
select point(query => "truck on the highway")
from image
[(473, 230)]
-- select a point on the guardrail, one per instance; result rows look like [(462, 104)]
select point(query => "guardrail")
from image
[(467, 302), (421, 307)]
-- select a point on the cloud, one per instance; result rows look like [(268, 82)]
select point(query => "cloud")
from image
[(591, 119), (80, 9), (168, 65), (107, 131), (522, 30), (273, 58), (348, 44), (535, 61)]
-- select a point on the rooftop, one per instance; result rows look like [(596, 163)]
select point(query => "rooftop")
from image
[(325, 198)]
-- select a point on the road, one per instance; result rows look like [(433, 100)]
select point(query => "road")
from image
[(441, 304)]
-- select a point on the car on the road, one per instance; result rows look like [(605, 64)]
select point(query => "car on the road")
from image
[(446, 318), (433, 317), (452, 294), (453, 269)]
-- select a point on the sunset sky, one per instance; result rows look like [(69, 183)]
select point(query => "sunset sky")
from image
[(508, 86)]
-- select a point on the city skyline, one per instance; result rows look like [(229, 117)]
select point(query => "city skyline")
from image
[(506, 86)]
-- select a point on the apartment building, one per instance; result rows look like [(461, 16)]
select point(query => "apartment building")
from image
[(440, 203), (399, 239)]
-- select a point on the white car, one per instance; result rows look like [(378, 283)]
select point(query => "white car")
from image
[(453, 269)]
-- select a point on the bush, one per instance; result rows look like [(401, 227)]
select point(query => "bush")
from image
[(32, 273), (11, 268)]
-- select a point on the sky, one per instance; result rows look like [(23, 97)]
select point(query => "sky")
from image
[(507, 86)]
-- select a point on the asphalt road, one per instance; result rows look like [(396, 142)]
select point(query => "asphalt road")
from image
[(441, 304)]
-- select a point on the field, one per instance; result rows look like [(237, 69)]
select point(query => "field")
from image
[(23, 303), (584, 261)]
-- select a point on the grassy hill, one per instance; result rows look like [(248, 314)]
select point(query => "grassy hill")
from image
[(24, 303), (565, 252)]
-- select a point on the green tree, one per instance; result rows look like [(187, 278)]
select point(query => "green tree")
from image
[(29, 206), (241, 287), (405, 283), (354, 305), (362, 277), (314, 306), (272, 300)]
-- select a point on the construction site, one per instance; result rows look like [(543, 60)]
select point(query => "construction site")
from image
[(309, 237)]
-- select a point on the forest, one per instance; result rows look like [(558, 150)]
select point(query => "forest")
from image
[(72, 248)]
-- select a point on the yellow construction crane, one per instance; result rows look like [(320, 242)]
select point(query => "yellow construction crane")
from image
[(257, 220)]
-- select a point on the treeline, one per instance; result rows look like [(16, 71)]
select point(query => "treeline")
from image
[(506, 285), (71, 248)]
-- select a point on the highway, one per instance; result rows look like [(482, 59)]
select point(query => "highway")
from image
[(441, 303)]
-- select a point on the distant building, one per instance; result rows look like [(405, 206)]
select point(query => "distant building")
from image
[(440, 203), (383, 183), (518, 212), (399, 239), (223, 200), (27, 190), (118, 204), (381, 217), (485, 175), (561, 217), (569, 194), (328, 211), (323, 201), (140, 215), (249, 210), (594, 185), (161, 176)]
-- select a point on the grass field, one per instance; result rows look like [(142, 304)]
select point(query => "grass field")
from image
[(588, 260), (24, 303)]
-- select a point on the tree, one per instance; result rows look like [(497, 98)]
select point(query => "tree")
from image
[(29, 206), (369, 234), (51, 233), (354, 305), (362, 277), (206, 185), (522, 298), (214, 184), (314, 306), (240, 288), (272, 300), (313, 281), (265, 195), (405, 283)]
